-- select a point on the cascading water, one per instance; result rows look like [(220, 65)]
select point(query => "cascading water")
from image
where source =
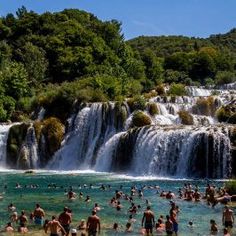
[(28, 156), (170, 151), (101, 136), (4, 129), (89, 130)]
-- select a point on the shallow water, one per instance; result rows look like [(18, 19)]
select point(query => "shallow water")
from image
[(54, 199)]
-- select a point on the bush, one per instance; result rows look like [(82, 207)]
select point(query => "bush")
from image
[(25, 104), (225, 77), (227, 114), (140, 119), (3, 114), (177, 90), (153, 109), (186, 118), (149, 95), (205, 106), (137, 103), (160, 89), (53, 131)]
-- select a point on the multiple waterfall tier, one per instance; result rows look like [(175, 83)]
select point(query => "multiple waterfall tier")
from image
[(102, 137)]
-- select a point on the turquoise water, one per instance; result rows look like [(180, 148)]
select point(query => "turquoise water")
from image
[(53, 200)]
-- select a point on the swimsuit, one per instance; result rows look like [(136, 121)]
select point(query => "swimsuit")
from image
[(175, 227), (66, 228), (148, 225), (38, 220), (92, 232), (228, 224)]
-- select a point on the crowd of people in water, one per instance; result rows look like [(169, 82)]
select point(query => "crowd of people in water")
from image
[(150, 224)]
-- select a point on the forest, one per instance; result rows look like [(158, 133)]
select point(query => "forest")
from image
[(53, 59)]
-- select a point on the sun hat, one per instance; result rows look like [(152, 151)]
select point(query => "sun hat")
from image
[(73, 231)]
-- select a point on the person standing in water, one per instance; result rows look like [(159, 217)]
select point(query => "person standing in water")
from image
[(38, 215), (65, 220), (93, 224), (228, 217), (55, 227), (149, 219)]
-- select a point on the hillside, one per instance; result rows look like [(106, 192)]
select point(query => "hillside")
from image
[(53, 59)]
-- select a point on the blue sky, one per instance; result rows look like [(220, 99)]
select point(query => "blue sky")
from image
[(198, 18)]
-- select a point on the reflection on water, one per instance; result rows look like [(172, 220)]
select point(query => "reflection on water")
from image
[(54, 199)]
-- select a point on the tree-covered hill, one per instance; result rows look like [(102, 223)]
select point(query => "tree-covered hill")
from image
[(192, 60), (51, 59)]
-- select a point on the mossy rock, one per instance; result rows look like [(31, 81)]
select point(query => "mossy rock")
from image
[(52, 131), (227, 113), (153, 109), (205, 106), (140, 119), (16, 137), (120, 115), (160, 89), (186, 118), (137, 103)]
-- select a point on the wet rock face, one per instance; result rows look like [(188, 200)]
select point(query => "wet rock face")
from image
[(16, 138), (123, 156), (23, 161)]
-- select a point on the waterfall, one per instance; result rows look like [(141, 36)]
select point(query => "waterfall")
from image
[(28, 156), (104, 160), (101, 136), (198, 92), (91, 128), (4, 129), (180, 152)]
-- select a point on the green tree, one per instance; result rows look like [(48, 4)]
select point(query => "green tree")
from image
[(15, 80), (154, 68), (35, 62)]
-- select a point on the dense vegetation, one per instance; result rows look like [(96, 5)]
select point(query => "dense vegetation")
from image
[(54, 58)]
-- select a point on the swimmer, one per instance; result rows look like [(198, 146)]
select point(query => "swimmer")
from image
[(82, 225), (169, 226), (96, 207), (93, 224), (9, 228), (73, 232), (115, 227), (65, 220), (38, 215), (128, 227), (71, 195), (149, 219), (14, 217), (11, 207), (23, 229), (118, 206), (55, 227), (131, 219), (214, 228), (88, 199), (228, 217), (226, 232), (23, 218)]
